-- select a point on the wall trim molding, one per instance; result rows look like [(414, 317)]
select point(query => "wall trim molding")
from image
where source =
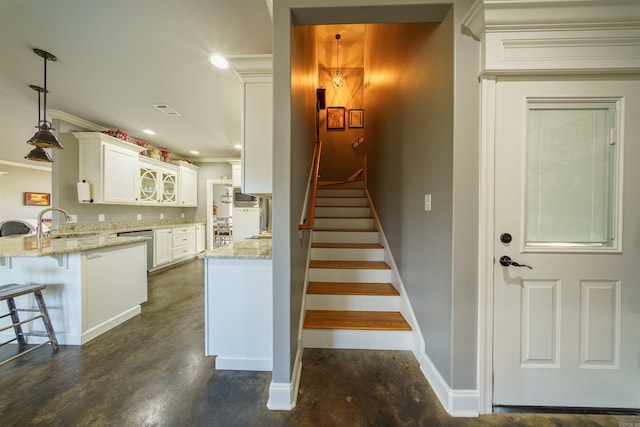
[(25, 165), (284, 396)]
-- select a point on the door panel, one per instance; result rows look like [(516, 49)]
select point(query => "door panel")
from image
[(566, 330)]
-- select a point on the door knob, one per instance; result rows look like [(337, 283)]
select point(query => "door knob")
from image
[(506, 261)]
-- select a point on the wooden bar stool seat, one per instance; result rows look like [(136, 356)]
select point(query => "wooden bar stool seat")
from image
[(8, 293)]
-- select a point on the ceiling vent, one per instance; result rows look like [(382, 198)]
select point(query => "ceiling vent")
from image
[(167, 110)]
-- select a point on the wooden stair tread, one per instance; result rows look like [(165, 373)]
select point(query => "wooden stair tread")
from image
[(360, 320), (343, 217), (351, 288), (347, 245), (340, 196), (350, 265)]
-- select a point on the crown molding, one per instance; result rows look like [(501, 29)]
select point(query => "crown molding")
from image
[(252, 65), (530, 15)]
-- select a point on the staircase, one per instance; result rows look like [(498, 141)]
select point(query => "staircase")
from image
[(350, 301)]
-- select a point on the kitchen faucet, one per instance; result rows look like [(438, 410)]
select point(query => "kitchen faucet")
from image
[(39, 233)]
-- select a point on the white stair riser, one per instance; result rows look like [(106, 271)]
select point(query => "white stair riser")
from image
[(349, 275), (347, 254), (355, 339), (351, 184), (341, 212), (341, 201), (355, 192), (344, 223), (344, 237), (352, 302)]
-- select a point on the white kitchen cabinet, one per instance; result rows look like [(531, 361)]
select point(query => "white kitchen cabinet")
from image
[(200, 237), (162, 246), (157, 182), (257, 136), (187, 184), (236, 174), (110, 166), (184, 242), (246, 223)]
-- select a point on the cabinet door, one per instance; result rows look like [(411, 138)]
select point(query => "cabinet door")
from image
[(257, 153), (148, 185), (200, 238), (162, 246), (168, 195), (120, 175), (253, 222), (239, 224), (188, 187)]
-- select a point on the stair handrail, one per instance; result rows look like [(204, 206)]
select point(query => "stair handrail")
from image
[(306, 223)]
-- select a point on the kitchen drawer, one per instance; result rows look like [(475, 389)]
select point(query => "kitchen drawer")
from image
[(183, 251), (184, 236)]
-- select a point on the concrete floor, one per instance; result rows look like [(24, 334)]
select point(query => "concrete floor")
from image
[(151, 371)]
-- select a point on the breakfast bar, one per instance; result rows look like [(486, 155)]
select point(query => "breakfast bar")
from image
[(238, 305), (94, 282)]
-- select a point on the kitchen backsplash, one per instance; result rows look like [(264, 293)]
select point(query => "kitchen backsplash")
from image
[(115, 227)]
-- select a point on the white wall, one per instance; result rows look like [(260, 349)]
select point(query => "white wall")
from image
[(15, 183)]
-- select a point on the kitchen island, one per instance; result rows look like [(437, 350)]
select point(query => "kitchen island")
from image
[(94, 282), (238, 305)]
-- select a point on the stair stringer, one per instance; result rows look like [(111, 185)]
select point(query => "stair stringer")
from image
[(459, 403)]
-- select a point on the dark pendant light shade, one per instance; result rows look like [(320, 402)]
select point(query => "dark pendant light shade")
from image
[(43, 138), (39, 154)]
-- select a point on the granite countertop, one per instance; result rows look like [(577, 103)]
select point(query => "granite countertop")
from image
[(26, 245), (259, 248)]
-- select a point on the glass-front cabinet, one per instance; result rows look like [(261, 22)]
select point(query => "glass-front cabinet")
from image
[(157, 182)]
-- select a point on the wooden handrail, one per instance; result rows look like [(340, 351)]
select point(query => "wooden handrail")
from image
[(307, 223)]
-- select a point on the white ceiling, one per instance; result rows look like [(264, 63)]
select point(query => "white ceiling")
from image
[(118, 57)]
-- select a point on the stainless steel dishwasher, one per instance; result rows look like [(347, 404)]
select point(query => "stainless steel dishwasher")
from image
[(148, 233)]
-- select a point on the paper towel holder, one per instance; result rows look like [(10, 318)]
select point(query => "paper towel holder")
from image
[(84, 191)]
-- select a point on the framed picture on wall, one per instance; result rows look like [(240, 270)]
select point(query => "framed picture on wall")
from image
[(356, 118), (37, 199), (335, 117)]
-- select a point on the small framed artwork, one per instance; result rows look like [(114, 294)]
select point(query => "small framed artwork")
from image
[(335, 117), (37, 199), (356, 118)]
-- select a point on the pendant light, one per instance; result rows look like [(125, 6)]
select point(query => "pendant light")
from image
[(43, 138), (338, 78), (38, 154)]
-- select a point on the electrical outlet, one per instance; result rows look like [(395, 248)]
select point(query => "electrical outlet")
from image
[(139, 217), (182, 215), (101, 217), (161, 216), (427, 202), (73, 218)]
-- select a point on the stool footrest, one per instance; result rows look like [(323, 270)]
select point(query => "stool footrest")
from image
[(29, 350), (22, 322)]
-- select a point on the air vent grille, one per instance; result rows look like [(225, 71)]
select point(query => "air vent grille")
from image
[(167, 110)]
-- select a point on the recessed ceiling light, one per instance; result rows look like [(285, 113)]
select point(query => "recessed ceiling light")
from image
[(194, 152), (218, 61), (238, 146), (148, 131)]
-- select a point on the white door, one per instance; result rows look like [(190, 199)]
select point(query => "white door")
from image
[(567, 193)]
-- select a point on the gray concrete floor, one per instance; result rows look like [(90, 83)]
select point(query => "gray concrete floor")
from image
[(151, 371)]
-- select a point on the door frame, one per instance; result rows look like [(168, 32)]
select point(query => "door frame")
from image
[(486, 256), (209, 186)]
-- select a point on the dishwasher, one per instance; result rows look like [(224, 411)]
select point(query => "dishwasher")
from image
[(147, 233)]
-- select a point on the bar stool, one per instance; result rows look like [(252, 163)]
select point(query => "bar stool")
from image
[(11, 291)]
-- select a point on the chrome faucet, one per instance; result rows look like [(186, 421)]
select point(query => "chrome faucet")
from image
[(39, 233)]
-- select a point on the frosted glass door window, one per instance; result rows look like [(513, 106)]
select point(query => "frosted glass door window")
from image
[(570, 197)]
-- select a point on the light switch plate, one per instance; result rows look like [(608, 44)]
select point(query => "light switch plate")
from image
[(73, 218), (101, 217), (139, 217), (161, 216), (427, 202)]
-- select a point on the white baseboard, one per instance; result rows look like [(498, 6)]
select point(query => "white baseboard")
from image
[(243, 364), (458, 403), (110, 324), (284, 396)]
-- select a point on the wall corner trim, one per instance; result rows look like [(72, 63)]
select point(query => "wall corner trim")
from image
[(458, 403), (284, 396)]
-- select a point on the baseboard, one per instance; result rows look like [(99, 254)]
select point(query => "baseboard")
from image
[(109, 324), (225, 363), (284, 396), (458, 403)]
